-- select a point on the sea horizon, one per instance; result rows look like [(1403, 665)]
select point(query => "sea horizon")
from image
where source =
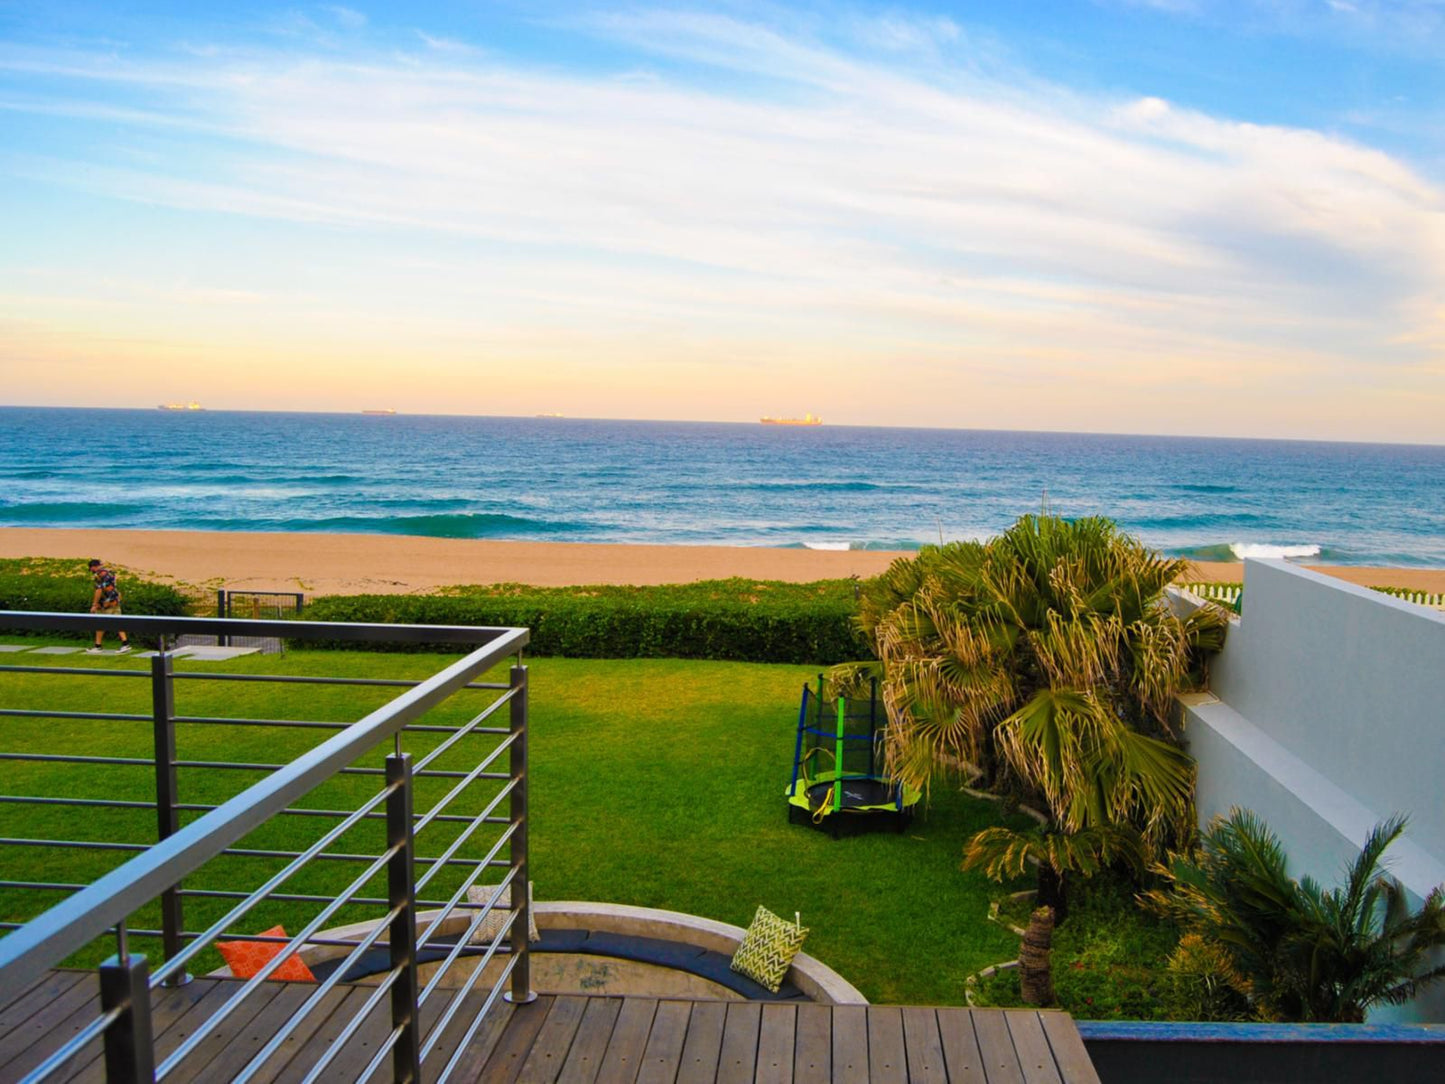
[(530, 478)]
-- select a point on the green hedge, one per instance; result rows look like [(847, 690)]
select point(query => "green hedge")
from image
[(743, 620), (48, 585)]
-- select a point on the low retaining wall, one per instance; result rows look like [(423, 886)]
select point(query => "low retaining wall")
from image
[(1124, 1053)]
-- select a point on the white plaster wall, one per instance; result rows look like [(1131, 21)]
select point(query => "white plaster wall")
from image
[(1328, 715)]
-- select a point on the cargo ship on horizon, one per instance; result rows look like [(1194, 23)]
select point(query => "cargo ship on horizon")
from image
[(192, 405), (806, 419)]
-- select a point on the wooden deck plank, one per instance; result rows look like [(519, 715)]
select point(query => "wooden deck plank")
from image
[(663, 1056), (549, 1052), (246, 1039), (304, 1033), (738, 1059), (168, 1005), (1032, 1046), (629, 1040), (309, 1053), (38, 994), (574, 1039), (960, 1047), (850, 1044), (703, 1048), (231, 1030), (776, 1039), (516, 1042), (483, 1041), (996, 1047), (40, 1030), (1075, 1065), (813, 1045), (590, 1043), (887, 1062), (923, 1047)]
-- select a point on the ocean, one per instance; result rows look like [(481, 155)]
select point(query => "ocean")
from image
[(688, 483)]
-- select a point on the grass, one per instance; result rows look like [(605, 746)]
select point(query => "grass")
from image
[(654, 782)]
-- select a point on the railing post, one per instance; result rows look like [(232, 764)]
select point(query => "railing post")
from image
[(521, 992), (163, 719), (129, 1049), (221, 612), (401, 892)]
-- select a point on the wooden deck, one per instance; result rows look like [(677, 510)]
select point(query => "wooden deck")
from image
[(602, 1039)]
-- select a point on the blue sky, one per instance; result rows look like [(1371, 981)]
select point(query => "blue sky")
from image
[(1125, 215)]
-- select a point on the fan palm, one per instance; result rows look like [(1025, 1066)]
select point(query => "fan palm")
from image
[(1049, 656), (1308, 953), (1003, 854)]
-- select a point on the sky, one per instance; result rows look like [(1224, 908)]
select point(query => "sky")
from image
[(1220, 217)]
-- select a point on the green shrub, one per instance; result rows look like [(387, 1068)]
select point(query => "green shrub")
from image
[(1204, 983), (737, 619), (54, 586)]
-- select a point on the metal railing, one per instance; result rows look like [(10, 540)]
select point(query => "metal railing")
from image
[(464, 791)]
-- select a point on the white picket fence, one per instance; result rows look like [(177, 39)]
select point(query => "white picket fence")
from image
[(1228, 594)]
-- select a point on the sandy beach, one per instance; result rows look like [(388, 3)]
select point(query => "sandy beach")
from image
[(329, 564)]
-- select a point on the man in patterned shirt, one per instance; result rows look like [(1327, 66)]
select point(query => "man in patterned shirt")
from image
[(105, 601)]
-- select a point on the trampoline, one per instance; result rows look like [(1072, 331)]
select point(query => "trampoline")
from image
[(838, 784)]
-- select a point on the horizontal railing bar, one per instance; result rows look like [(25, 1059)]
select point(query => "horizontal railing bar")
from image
[(291, 679), (88, 914), (98, 716), (107, 803), (468, 635), (195, 807), (249, 853), (75, 671), (238, 766), (76, 758), (241, 852), (196, 675), (80, 844), (77, 1042), (223, 894)]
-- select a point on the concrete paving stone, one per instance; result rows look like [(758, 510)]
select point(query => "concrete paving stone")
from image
[(14, 647), (55, 650)]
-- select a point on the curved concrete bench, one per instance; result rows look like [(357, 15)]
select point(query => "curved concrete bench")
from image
[(671, 939)]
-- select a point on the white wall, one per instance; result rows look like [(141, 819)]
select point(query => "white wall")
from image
[(1327, 715)]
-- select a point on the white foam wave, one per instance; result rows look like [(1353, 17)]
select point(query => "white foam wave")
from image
[(1259, 549), (828, 545)]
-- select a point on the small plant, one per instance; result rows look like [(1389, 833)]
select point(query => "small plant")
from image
[(1308, 953), (1204, 983)]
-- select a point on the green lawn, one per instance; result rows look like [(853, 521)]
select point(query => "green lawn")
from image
[(654, 782)]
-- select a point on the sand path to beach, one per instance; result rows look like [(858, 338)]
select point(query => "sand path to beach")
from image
[(329, 564)]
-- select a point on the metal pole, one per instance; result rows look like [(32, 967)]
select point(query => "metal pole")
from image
[(129, 1049), (521, 992), (401, 892), (168, 818), (222, 608)]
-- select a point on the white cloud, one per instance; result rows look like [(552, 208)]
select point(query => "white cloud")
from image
[(978, 225)]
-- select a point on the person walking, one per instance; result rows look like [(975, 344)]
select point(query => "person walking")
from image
[(106, 600)]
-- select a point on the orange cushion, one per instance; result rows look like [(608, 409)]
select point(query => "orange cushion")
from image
[(245, 958)]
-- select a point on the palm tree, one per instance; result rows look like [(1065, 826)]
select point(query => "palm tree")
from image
[(1003, 854), (1048, 659), (1308, 953)]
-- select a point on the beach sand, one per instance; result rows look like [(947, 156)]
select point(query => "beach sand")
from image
[(330, 564)]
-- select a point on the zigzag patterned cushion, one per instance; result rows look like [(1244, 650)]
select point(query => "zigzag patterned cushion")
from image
[(768, 948)]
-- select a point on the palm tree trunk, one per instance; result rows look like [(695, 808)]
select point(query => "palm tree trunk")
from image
[(1036, 977), (1052, 892)]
